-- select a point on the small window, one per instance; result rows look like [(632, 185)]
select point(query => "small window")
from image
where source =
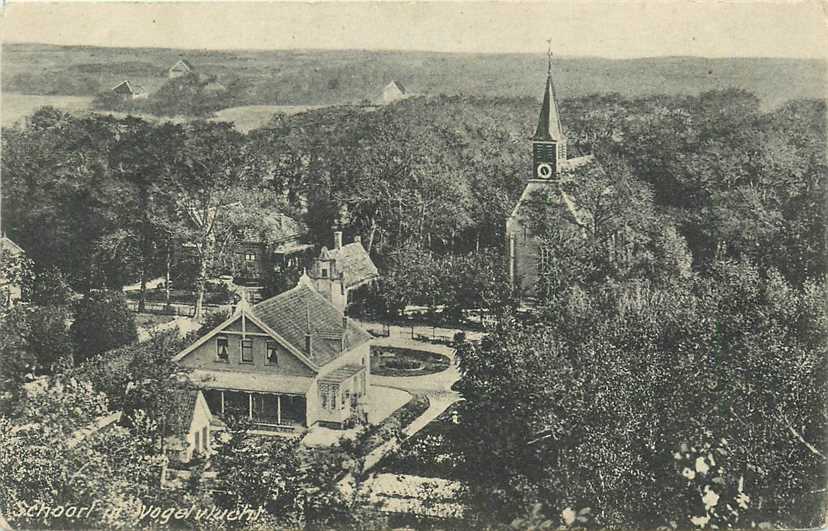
[(204, 437), (197, 445), (247, 351), (250, 257), (324, 272), (272, 354), (221, 348)]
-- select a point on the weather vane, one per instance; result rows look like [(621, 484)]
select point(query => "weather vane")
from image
[(549, 56)]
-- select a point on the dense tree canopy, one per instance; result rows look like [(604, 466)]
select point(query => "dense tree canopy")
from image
[(679, 348)]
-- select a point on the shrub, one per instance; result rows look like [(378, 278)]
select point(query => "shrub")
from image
[(404, 364), (102, 322), (212, 320)]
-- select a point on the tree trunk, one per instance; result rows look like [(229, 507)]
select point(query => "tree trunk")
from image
[(201, 281), (145, 251), (371, 234), (142, 297), (168, 276)]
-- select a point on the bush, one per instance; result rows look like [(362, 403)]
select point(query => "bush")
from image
[(50, 288), (403, 364), (212, 320), (102, 322), (49, 339)]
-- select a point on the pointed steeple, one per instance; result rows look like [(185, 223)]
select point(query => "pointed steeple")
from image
[(549, 122)]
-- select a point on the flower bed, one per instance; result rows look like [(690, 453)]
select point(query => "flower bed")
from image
[(398, 361)]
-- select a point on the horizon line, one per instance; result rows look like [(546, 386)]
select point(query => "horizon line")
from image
[(404, 50)]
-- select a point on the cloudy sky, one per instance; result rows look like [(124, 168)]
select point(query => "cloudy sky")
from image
[(712, 28)]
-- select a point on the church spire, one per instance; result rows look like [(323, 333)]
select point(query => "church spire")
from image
[(549, 122)]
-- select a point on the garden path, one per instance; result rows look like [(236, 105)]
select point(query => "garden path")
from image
[(183, 324)]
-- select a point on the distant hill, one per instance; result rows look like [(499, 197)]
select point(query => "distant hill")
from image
[(317, 77)]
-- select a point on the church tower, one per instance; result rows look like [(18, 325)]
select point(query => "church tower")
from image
[(548, 142), (527, 256)]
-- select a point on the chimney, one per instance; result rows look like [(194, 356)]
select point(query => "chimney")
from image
[(344, 330), (337, 239)]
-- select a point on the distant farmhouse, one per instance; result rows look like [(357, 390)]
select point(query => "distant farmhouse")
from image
[(181, 68), (11, 256), (127, 91), (287, 363), (394, 91), (338, 273)]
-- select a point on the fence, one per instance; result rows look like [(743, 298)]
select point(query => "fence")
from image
[(177, 309)]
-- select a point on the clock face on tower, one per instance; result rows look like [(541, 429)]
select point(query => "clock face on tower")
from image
[(543, 170)]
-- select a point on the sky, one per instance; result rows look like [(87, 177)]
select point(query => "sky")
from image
[(617, 29)]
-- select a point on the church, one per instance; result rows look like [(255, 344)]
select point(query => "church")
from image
[(527, 254)]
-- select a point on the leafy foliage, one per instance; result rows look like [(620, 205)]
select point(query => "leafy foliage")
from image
[(102, 322)]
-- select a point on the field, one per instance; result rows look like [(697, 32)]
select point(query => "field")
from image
[(15, 107), (310, 78), (249, 117)]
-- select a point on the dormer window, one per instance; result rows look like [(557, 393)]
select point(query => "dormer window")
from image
[(221, 349), (272, 354), (247, 351)]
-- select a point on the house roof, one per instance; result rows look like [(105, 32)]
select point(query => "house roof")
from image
[(126, 87), (274, 228), (353, 262), (292, 312), (7, 245), (341, 374), (251, 381), (549, 121), (182, 409), (396, 85), (183, 63)]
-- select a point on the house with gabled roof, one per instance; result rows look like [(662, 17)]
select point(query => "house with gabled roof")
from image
[(187, 425), (394, 91), (339, 272), (181, 68), (129, 91), (287, 363)]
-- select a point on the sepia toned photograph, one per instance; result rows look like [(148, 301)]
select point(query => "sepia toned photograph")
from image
[(523, 266)]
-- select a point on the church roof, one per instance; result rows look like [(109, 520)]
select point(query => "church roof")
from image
[(549, 121), (552, 193), (290, 313)]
